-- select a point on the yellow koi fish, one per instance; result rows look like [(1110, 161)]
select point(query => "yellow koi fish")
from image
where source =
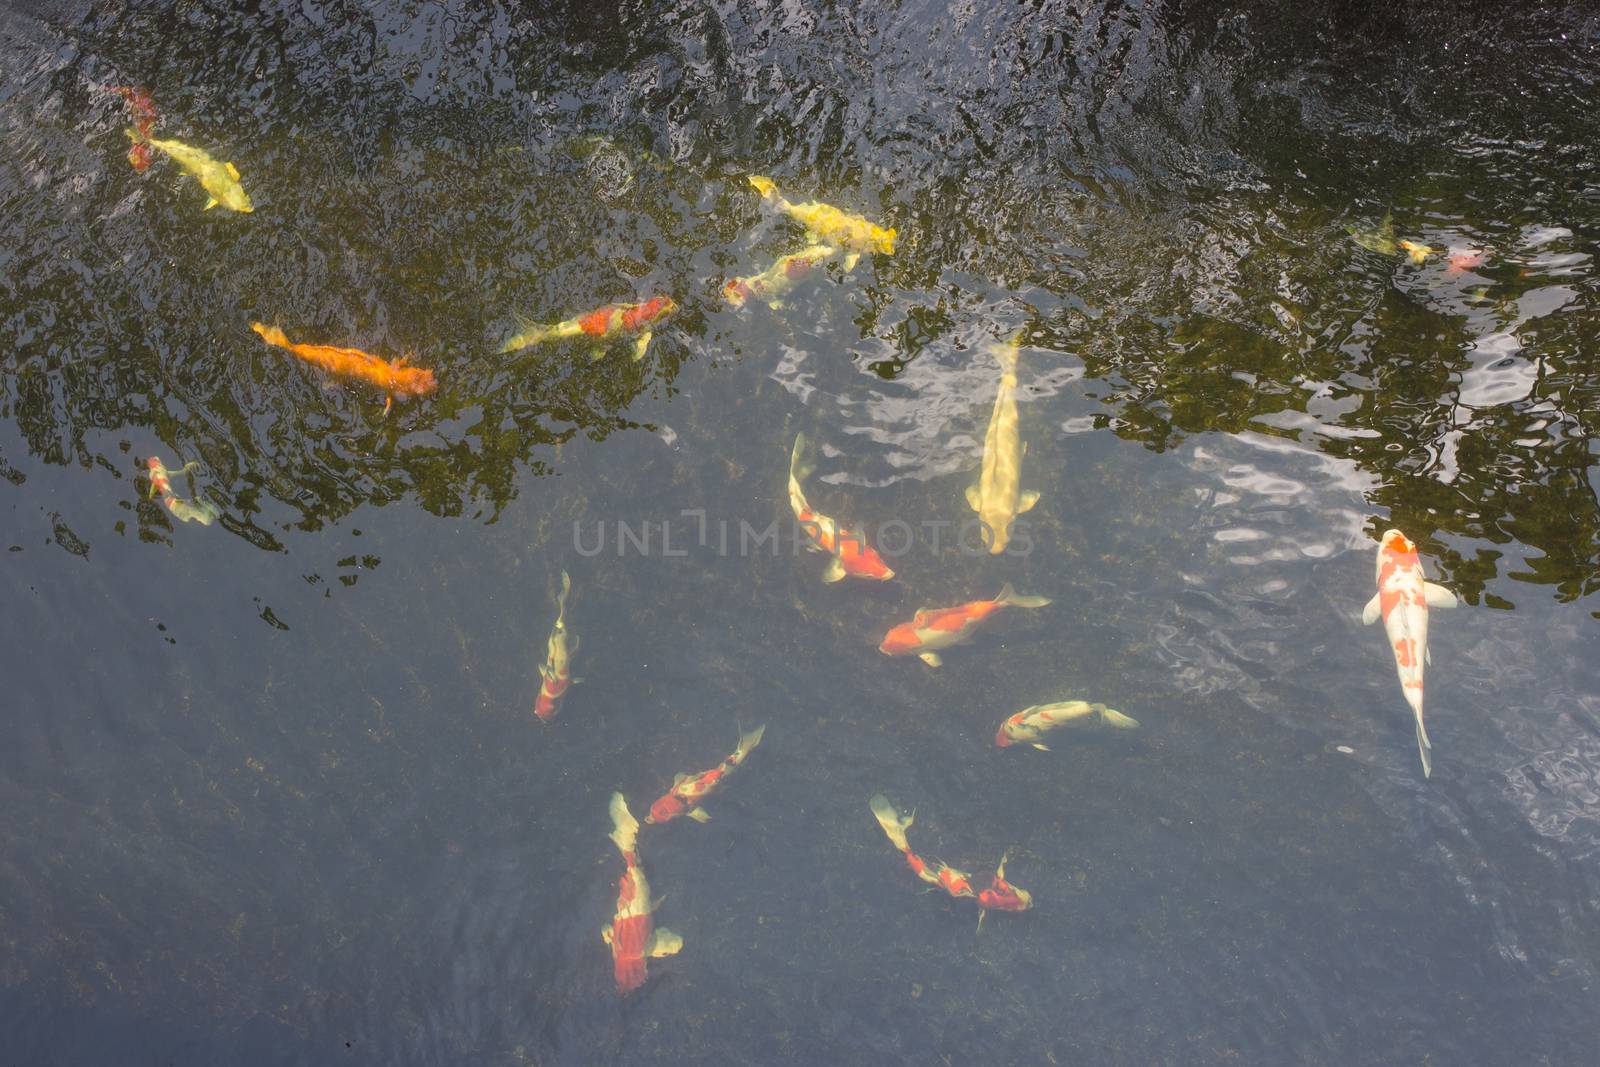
[(220, 180), (997, 495), (828, 225), (1029, 724), (1417, 252)]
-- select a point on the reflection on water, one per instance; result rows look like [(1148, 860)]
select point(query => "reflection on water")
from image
[(274, 784)]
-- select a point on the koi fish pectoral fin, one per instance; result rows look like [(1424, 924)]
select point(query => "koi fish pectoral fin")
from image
[(1042, 748), (851, 260), (663, 942), (834, 572), (974, 497), (641, 345), (932, 659), (605, 933), (211, 202), (1027, 500), (1439, 596), (233, 171), (1371, 613), (698, 815)]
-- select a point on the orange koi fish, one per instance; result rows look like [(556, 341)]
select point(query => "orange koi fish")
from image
[(204, 512), (602, 324), (688, 790), (1403, 599), (556, 671), (394, 378), (934, 628), (1029, 724), (144, 120), (631, 932), (777, 280), (1465, 259), (851, 554)]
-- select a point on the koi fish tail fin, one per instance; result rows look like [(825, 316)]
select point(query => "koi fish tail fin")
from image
[(888, 240), (765, 186), (1011, 598), (270, 334), (748, 742), (625, 828), (561, 600), (894, 824), (1424, 748), (1116, 718), (528, 334), (800, 469)]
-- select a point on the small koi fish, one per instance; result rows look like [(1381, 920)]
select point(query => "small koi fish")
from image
[(828, 225), (688, 790), (932, 629), (394, 378), (851, 554), (1002, 895), (1379, 239), (219, 180), (602, 324), (631, 933), (779, 279), (1029, 724), (556, 670), (144, 120), (1402, 600), (955, 882), (1465, 259), (1418, 252), (997, 496), (202, 511)]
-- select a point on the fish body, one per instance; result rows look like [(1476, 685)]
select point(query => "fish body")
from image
[(1465, 259), (219, 180), (144, 114), (829, 225), (1380, 240), (852, 556), (1027, 726), (556, 672), (602, 324), (689, 790), (957, 883), (1002, 895), (393, 377), (1402, 601), (1416, 251), (779, 279), (631, 932), (997, 495), (202, 511), (933, 629)]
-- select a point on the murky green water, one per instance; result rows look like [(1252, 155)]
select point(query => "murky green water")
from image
[(272, 790)]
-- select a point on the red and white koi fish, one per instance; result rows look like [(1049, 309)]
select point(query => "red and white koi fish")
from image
[(932, 629), (631, 932), (144, 120), (1001, 895), (203, 511), (851, 554), (1403, 599), (777, 280), (602, 324), (688, 790), (556, 671), (1029, 724)]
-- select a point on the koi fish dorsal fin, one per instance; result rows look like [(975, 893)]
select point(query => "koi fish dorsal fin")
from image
[(233, 171)]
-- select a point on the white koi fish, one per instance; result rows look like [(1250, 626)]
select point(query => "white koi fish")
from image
[(1030, 724), (1403, 599), (997, 495)]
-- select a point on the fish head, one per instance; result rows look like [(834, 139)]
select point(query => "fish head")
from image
[(415, 381), (865, 564), (737, 291), (667, 808), (1398, 543), (234, 198), (545, 707), (902, 640)]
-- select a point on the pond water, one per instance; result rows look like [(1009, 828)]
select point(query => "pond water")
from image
[(272, 790)]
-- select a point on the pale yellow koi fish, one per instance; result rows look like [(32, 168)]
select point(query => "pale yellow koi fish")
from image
[(997, 495), (220, 180), (829, 225), (1030, 724), (777, 280)]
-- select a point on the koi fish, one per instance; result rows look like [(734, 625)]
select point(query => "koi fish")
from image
[(828, 225), (602, 324), (934, 628), (1002, 895), (955, 882), (556, 670), (1403, 599), (997, 495), (631, 932), (778, 279), (1029, 724), (851, 554), (1417, 252), (688, 790), (204, 512), (219, 180), (1465, 259), (394, 378), (1380, 240), (144, 120)]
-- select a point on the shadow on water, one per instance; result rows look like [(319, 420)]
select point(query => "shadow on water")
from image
[(333, 833)]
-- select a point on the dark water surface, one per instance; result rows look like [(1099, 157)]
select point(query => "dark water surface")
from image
[(271, 791)]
